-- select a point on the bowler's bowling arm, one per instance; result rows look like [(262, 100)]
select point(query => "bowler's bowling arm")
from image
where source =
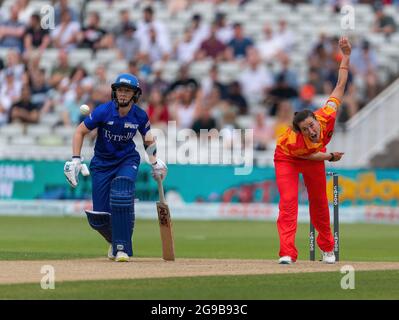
[(78, 137)]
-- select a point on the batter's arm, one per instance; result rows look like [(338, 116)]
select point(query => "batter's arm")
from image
[(78, 137)]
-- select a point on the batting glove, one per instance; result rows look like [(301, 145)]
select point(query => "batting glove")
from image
[(159, 169), (72, 170)]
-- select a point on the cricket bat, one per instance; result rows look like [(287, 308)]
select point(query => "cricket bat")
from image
[(165, 226)]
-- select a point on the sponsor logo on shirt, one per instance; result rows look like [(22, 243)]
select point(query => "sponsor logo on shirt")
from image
[(129, 125), (118, 137), (110, 123)]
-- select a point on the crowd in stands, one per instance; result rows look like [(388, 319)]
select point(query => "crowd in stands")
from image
[(27, 91)]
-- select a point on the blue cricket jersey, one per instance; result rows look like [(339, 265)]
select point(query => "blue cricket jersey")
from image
[(115, 134)]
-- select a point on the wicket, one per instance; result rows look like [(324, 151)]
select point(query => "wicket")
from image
[(312, 242)]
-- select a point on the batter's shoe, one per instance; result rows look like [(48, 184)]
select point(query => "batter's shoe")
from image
[(121, 257), (328, 257), (285, 260), (110, 253)]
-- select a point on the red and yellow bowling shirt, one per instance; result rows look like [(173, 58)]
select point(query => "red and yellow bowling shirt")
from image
[(292, 144)]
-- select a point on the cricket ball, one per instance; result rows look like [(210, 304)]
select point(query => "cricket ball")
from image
[(84, 109)]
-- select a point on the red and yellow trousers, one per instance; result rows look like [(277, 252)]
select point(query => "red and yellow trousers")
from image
[(314, 175)]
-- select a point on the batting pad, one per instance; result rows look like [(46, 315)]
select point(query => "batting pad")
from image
[(100, 221), (122, 214)]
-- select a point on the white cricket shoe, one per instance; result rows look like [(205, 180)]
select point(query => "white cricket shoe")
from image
[(110, 253), (328, 257), (285, 260), (121, 257)]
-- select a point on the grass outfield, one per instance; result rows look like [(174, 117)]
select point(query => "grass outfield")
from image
[(326, 285), (38, 238)]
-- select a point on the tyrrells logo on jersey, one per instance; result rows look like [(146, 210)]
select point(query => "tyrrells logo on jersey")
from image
[(118, 137), (129, 125)]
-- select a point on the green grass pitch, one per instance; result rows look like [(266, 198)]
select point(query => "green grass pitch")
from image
[(39, 238)]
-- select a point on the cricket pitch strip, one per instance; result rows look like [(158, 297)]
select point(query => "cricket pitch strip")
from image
[(143, 268)]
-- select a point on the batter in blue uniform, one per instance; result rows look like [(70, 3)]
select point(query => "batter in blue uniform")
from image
[(115, 164)]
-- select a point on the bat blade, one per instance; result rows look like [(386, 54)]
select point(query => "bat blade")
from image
[(165, 227)]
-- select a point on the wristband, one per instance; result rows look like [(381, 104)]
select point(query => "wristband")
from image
[(75, 157), (332, 157), (344, 68)]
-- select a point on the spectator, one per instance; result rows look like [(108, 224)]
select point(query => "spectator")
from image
[(384, 23), (16, 65), (12, 31), (157, 109), (149, 27), (128, 43), (93, 36), (283, 118), (24, 110), (71, 115), (236, 98), (35, 37), (270, 46), (65, 35), (10, 88), (62, 6), (124, 20), (185, 49), (364, 65), (102, 90), (255, 80), (316, 80), (263, 132), (154, 48), (212, 47), (285, 36), (204, 121), (184, 106), (212, 82), (25, 11), (238, 45), (305, 101), (279, 92), (62, 70), (199, 29), (289, 74), (224, 32), (39, 89), (157, 82), (184, 80)]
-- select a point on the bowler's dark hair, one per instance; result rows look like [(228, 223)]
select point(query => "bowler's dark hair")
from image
[(301, 116)]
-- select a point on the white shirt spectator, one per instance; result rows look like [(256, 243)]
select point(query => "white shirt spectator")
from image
[(155, 48), (185, 115), (143, 32), (225, 34), (254, 81), (66, 34), (200, 34)]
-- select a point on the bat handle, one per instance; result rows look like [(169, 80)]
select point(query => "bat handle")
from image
[(160, 191)]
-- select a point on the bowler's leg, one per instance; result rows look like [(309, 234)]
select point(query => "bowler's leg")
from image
[(315, 180), (287, 177)]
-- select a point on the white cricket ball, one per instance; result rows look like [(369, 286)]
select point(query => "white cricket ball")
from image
[(84, 109)]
